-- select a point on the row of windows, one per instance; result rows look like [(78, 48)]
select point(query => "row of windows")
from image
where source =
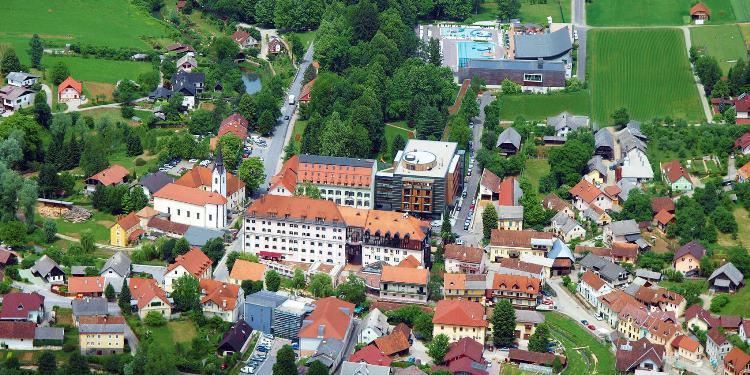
[(187, 214), (294, 225)]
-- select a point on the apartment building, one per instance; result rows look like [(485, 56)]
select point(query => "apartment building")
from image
[(658, 327), (458, 319), (521, 291), (461, 286), (514, 243), (101, 335), (402, 284), (464, 259)]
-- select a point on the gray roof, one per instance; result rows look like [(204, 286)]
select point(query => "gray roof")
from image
[(328, 351), (529, 316), (198, 236), (49, 333), (101, 328), (157, 272), (119, 262), (161, 92), (565, 222), (524, 65), (90, 306), (624, 227), (510, 212), (44, 265), (78, 270), (511, 136), (607, 269), (632, 288), (362, 368), (155, 181), (185, 82), (377, 321), (543, 44), (20, 76), (626, 187), (596, 163), (336, 160), (730, 271), (629, 140), (603, 138), (266, 299), (116, 282), (560, 250), (187, 58), (568, 120), (647, 274)]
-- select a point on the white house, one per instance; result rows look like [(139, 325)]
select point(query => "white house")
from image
[(592, 287), (17, 335), (566, 227), (21, 79), (14, 98), (586, 194), (375, 326), (69, 89), (221, 299), (194, 263), (464, 259)]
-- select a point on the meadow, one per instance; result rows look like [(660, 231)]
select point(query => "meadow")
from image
[(98, 70), (537, 13), (653, 12), (724, 42), (741, 10), (645, 71), (539, 106)]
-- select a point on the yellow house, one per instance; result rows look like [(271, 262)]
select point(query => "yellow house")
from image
[(458, 319), (687, 258), (461, 286), (125, 230), (101, 335), (149, 297)]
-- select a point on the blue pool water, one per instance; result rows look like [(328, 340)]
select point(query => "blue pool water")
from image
[(464, 32), (473, 50)]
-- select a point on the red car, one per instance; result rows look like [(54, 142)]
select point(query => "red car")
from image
[(591, 327)]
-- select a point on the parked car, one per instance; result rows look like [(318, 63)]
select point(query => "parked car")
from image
[(193, 160), (464, 193), (466, 226), (591, 327), (584, 322), (262, 349), (286, 117), (459, 242), (247, 370)]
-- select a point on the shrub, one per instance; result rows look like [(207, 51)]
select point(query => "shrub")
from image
[(718, 302), (154, 319), (140, 162), (69, 347)]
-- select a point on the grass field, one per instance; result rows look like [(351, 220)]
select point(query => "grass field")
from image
[(738, 304), (539, 106), (741, 10), (537, 13), (723, 42), (652, 12), (656, 83), (580, 347), (745, 31), (391, 131), (97, 70), (534, 170), (743, 235), (98, 225)]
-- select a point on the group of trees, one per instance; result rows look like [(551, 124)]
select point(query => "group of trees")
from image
[(703, 215), (413, 316)]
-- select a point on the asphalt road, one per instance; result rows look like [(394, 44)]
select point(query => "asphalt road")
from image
[(569, 306), (579, 24), (221, 272)]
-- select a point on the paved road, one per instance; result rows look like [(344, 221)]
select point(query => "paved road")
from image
[(579, 24), (571, 307), (133, 342), (48, 91), (221, 272), (698, 84)]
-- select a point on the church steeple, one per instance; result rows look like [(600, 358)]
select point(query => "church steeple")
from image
[(219, 175), (219, 165)]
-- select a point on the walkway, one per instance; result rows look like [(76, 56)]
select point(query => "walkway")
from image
[(698, 84)]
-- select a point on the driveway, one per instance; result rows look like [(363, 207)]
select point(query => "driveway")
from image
[(133, 342), (48, 91), (569, 305), (51, 300)]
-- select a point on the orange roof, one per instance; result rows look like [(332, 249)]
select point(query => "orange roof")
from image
[(329, 319), (147, 212), (194, 261), (395, 274), (464, 253), (593, 280), (296, 208), (515, 283), (744, 171), (112, 175), (612, 190), (686, 343), (673, 171), (395, 223), (457, 281), (145, 290), (586, 191), (304, 95), (459, 313), (189, 195), (616, 300), (394, 343), (220, 293), (662, 203), (517, 238), (354, 217), (664, 217), (128, 221), (86, 284), (235, 124), (287, 177), (624, 249), (69, 82), (699, 8), (409, 262), (247, 270), (97, 319), (201, 176), (334, 174), (737, 359)]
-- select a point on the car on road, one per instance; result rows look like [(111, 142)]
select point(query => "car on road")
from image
[(193, 160), (286, 117), (459, 242), (471, 207), (584, 322), (204, 163), (262, 349), (466, 225), (591, 327), (464, 194)]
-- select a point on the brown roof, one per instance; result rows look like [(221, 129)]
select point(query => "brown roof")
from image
[(18, 305), (637, 352), (586, 191), (10, 329), (194, 261), (201, 176), (517, 238), (398, 274), (287, 177), (525, 356), (304, 94), (593, 280), (395, 223), (738, 360), (516, 264), (240, 36), (329, 319), (654, 296), (457, 281), (624, 249), (128, 221), (147, 212), (112, 319), (744, 171), (224, 295), (662, 203), (617, 300), (459, 313), (167, 226), (145, 290), (716, 336), (86, 284), (507, 190), (673, 170), (190, 195), (553, 202), (403, 328), (693, 248), (110, 176), (247, 270), (490, 181), (370, 354), (6, 255), (235, 124), (612, 190), (686, 343), (296, 208), (664, 217), (465, 254), (409, 262), (394, 343), (516, 283)]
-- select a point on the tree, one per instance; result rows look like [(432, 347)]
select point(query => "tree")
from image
[(46, 364), (76, 365), (224, 50), (159, 361), (186, 293), (285, 364), (433, 52), (42, 112), (438, 348), (509, 87), (423, 325), (123, 300), (489, 221), (724, 220), (13, 233), (508, 9), (503, 324), (182, 246), (298, 279), (36, 51), (252, 173), (309, 190), (721, 90), (10, 62), (50, 231), (134, 145), (109, 292), (154, 319), (87, 242), (59, 72), (718, 302), (708, 266), (201, 122), (398, 144), (620, 117), (709, 72), (318, 368), (214, 249), (539, 341), (231, 150), (352, 290), (637, 206), (134, 200), (251, 286), (320, 285), (273, 280)]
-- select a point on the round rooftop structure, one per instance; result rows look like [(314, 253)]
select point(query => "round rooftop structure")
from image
[(419, 160)]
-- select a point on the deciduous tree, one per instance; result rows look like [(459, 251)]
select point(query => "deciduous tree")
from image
[(252, 173), (438, 348), (273, 280), (186, 293), (503, 324)]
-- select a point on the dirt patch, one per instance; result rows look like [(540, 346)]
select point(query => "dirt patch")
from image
[(208, 106), (387, 306), (96, 89), (105, 223), (26, 357)]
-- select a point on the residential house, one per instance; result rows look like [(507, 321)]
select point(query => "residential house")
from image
[(398, 284), (247, 270), (187, 63), (662, 219), (726, 278), (509, 142), (744, 331), (526, 323), (148, 297), (736, 362), (639, 355), (688, 349), (676, 177), (261, 308), (585, 195), (330, 320), (14, 98), (23, 307), (17, 335), (621, 252), (363, 368), (658, 298), (86, 286), (518, 267), (659, 327), (687, 258), (700, 13), (458, 319), (563, 260), (153, 182), (7, 257), (243, 39), (521, 291), (101, 335), (742, 143), (375, 325), (235, 340), (306, 93), (118, 265), (68, 90), (464, 357), (612, 273), (49, 270), (235, 124), (159, 226), (126, 230), (557, 204), (565, 123), (520, 356), (604, 144), (89, 307), (21, 79), (622, 231), (145, 214), (649, 275), (510, 217), (461, 286), (179, 48), (742, 108), (611, 304), (394, 344), (743, 173), (190, 85), (659, 204), (221, 299), (464, 259), (514, 243), (194, 263), (114, 175), (567, 228), (275, 45), (717, 345), (591, 287), (596, 171), (596, 215), (370, 355)]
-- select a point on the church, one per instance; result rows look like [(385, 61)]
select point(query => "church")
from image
[(202, 197)]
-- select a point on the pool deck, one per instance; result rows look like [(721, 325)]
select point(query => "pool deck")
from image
[(449, 44)]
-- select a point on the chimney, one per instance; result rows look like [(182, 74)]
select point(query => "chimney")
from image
[(539, 63)]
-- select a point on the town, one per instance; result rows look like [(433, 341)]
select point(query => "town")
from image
[(493, 187)]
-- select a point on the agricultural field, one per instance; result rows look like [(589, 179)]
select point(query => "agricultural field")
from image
[(645, 71), (541, 106), (741, 10), (723, 42), (653, 12)]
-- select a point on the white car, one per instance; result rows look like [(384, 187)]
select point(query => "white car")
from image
[(247, 370), (193, 160)]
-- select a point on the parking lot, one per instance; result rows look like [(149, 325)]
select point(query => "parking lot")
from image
[(263, 355)]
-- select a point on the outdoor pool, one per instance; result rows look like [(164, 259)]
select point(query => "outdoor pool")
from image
[(464, 32), (474, 50)]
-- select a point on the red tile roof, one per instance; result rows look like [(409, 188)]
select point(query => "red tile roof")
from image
[(18, 305), (593, 280), (370, 354), (490, 181), (235, 124), (304, 95), (516, 264), (409, 262), (612, 190), (662, 203), (167, 226), (392, 344), (686, 343), (737, 360), (287, 177), (247, 270), (638, 351), (86, 284), (194, 261), (113, 319), (744, 140), (201, 176), (617, 300), (744, 171), (295, 208), (330, 319), (516, 283), (69, 82), (465, 254), (699, 8), (240, 36), (465, 347), (6, 256), (223, 295), (664, 217), (13, 329), (113, 175), (742, 104), (524, 356), (586, 191), (190, 195), (402, 275), (553, 202), (673, 170), (459, 313), (507, 192), (128, 221), (145, 290)]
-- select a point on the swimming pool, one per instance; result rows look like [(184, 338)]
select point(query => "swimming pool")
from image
[(474, 50), (464, 32)]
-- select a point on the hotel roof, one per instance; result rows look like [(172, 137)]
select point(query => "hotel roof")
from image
[(425, 152)]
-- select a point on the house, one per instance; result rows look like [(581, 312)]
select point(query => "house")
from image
[(659, 204), (621, 252), (221, 299), (234, 124), (744, 331), (537, 76), (662, 219), (736, 362), (86, 286), (88, 307), (509, 142), (566, 227), (461, 286), (717, 345), (742, 108), (521, 291), (742, 144), (611, 272), (398, 284), (458, 319), (179, 48), (411, 370), (306, 92), (651, 276), (194, 263), (275, 45), (17, 335), (687, 258), (622, 231), (557, 204), (394, 344), (514, 243), (246, 270), (7, 258), (187, 63), (565, 123), (658, 298), (676, 177), (743, 173), (330, 353), (190, 85), (700, 13), (363, 368), (153, 182), (331, 319), (563, 260), (101, 335), (586, 194), (464, 357), (596, 171), (14, 98), (235, 340), (148, 297), (261, 308), (612, 303), (68, 90), (371, 355), (659, 327), (159, 226), (726, 278), (464, 259), (591, 287), (634, 164), (604, 143), (118, 264), (21, 79), (520, 356), (688, 349), (517, 267), (114, 175), (125, 230), (49, 270), (639, 355), (374, 326), (526, 323), (243, 39), (510, 217), (23, 307)]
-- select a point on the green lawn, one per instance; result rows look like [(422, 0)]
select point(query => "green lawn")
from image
[(534, 170), (98, 225), (738, 304), (537, 13), (306, 38), (580, 347), (723, 42), (644, 70), (741, 10), (487, 12), (98, 70), (541, 106), (743, 235), (391, 130), (652, 12), (174, 332)]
